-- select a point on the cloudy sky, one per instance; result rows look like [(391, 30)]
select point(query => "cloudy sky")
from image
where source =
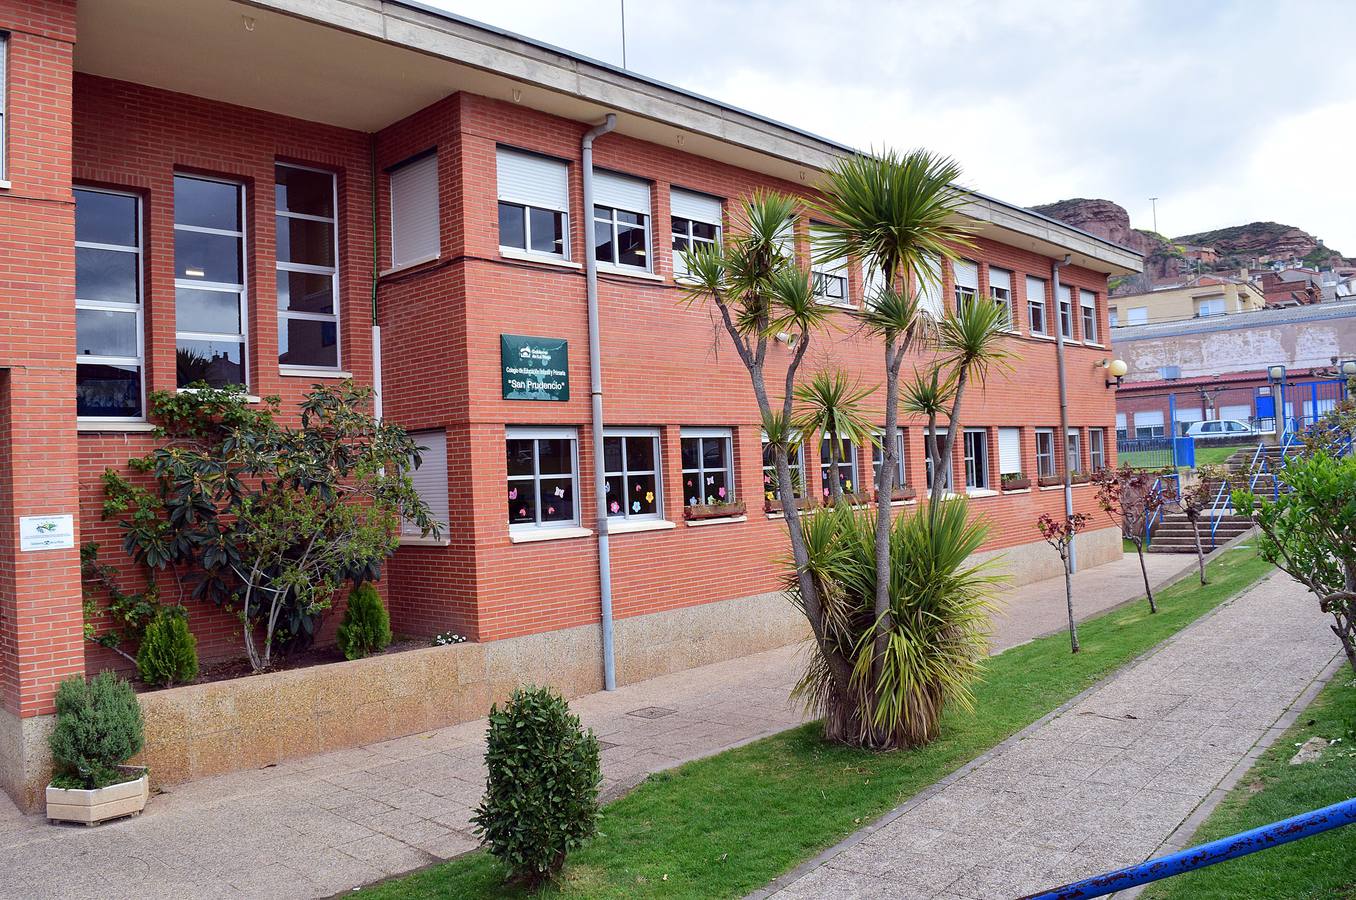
[(1228, 112)]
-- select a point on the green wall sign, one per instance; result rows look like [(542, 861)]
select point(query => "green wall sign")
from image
[(534, 368)]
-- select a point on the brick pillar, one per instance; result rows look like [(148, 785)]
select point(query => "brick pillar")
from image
[(40, 612)]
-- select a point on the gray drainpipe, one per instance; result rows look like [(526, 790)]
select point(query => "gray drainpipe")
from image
[(596, 400), (1064, 401)]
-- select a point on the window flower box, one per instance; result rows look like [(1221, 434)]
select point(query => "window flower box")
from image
[(1050, 480), (90, 807), (1081, 478), (902, 492), (1015, 482), (699, 511), (774, 504)]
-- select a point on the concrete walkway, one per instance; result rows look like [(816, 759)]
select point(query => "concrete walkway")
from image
[(1105, 782), (324, 824)]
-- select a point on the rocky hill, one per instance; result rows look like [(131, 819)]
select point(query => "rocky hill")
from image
[(1237, 246)]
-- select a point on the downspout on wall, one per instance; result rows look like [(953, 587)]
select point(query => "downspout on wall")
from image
[(1064, 401), (376, 273), (596, 407)]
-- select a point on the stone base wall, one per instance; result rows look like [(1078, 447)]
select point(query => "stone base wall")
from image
[(25, 763), (1038, 561)]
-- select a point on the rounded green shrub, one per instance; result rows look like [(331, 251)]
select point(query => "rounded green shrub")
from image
[(366, 627), (541, 797), (98, 728), (169, 651)]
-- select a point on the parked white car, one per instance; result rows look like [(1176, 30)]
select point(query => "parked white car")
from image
[(1219, 428)]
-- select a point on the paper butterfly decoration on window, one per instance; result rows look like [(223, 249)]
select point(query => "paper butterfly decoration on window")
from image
[(513, 493), (710, 479), (560, 493)]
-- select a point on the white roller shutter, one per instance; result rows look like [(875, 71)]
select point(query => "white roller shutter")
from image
[(533, 180), (414, 211), (1188, 415), (1151, 419), (697, 207), (1009, 450), (1239, 413), (1120, 421), (430, 479), (1000, 278), (1035, 289), (967, 274), (931, 287), (621, 192)]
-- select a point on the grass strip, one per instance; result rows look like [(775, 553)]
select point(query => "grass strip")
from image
[(730, 823), (1310, 868)]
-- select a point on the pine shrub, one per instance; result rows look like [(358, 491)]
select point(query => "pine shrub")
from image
[(541, 798), (169, 651), (98, 728), (366, 627)]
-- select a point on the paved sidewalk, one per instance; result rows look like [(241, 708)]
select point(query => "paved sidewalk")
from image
[(321, 825), (1104, 783)]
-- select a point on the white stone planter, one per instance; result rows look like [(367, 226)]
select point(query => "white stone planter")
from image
[(126, 798)]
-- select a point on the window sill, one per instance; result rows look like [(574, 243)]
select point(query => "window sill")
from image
[(837, 304), (94, 426), (249, 398), (5, 185), (308, 372), (544, 258), (627, 527), (526, 536), (1020, 491), (723, 520), (1092, 344), (419, 540), (1042, 337), (604, 269), (405, 267), (981, 492), (894, 504)]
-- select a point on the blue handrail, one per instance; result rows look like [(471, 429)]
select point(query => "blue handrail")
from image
[(1151, 521), (1224, 500), (1264, 838)]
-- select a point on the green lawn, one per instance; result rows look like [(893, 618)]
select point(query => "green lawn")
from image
[(728, 824), (1150, 459), (1321, 866)]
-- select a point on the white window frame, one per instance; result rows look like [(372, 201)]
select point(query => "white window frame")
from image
[(536, 433), (1009, 451), (930, 287), (825, 274), (1073, 451), (1153, 420), (1210, 306), (849, 462), (1046, 461), (241, 290), (112, 306), (967, 292), (1113, 316), (796, 462), (1064, 305), (1096, 449), (1122, 427), (646, 227), (976, 469), (949, 474), (285, 315), (1137, 315), (1087, 306), (625, 514), (391, 175), (679, 270), (431, 439), (504, 194), (1039, 301), (710, 434), (4, 108), (1003, 295), (878, 456)]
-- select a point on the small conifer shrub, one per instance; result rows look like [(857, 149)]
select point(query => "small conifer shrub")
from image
[(366, 628)]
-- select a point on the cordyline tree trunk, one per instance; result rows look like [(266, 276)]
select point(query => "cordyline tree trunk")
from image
[(942, 449), (885, 488), (835, 457)]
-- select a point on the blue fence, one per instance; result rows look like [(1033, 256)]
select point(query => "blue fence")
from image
[(1157, 453)]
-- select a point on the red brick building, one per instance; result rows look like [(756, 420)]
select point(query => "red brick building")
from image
[(279, 193)]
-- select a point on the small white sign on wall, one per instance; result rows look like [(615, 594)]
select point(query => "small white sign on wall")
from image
[(46, 532)]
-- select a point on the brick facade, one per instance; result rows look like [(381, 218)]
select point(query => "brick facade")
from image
[(666, 365)]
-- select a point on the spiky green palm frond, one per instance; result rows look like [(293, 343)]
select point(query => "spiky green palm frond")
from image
[(974, 338), (833, 404), (927, 394)]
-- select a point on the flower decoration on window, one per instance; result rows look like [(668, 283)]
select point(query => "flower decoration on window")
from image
[(614, 507), (560, 493)]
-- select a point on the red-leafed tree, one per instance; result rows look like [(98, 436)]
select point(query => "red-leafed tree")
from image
[(1060, 535), (1132, 499)]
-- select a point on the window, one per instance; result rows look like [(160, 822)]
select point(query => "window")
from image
[(1035, 305), (1073, 451), (631, 469), (1045, 453), (108, 328), (430, 479), (967, 282), (1066, 320), (414, 211), (534, 203), (927, 460), (543, 477), (1184, 418), (209, 281), (878, 456), (1121, 431), (1000, 290), (1213, 306), (1137, 315), (1240, 412), (795, 459), (1097, 449), (1087, 305), (621, 221), (1113, 316), (308, 273), (873, 282), (976, 458), (930, 287), (830, 279), (847, 465), (708, 466), (786, 239), (696, 224), (1009, 451), (4, 102), (1149, 424)]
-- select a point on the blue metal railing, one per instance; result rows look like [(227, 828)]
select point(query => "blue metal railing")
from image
[(1151, 521), (1264, 838), (1224, 501)]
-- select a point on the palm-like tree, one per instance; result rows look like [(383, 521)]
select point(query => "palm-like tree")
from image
[(834, 406)]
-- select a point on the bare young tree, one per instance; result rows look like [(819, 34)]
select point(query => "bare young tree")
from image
[(1060, 535), (1132, 499)]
